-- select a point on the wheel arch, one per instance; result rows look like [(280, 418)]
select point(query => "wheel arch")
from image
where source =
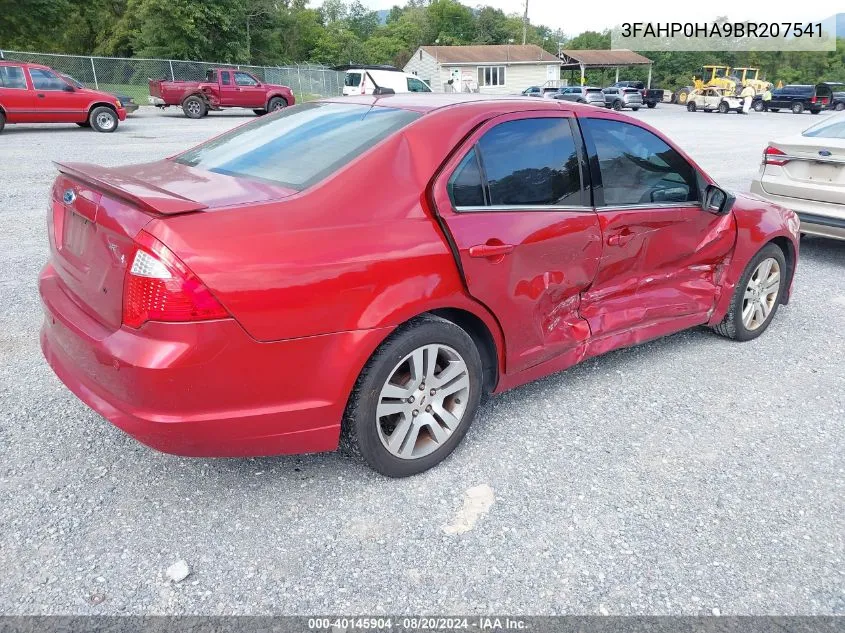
[(789, 254), (483, 339), (98, 104)]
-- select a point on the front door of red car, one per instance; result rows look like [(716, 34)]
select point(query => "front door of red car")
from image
[(56, 99), (661, 248), (528, 239), (16, 95), (250, 92)]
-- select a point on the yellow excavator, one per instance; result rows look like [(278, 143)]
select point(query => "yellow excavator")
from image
[(722, 77)]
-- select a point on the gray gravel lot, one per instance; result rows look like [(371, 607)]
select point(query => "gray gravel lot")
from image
[(682, 476)]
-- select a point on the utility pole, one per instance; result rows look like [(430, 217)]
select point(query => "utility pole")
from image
[(525, 23)]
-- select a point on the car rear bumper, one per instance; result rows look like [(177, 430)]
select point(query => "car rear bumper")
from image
[(156, 101), (817, 218), (204, 389)]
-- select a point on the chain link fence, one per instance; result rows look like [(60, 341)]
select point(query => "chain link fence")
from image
[(130, 76)]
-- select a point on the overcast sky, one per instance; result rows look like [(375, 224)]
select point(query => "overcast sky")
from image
[(578, 16)]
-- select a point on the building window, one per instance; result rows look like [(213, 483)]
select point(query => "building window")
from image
[(491, 75)]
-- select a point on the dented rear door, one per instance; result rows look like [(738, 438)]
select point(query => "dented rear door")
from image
[(527, 238)]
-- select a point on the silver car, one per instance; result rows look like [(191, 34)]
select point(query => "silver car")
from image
[(618, 98), (581, 94), (806, 173)]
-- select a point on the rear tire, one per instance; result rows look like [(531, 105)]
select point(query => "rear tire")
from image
[(814, 111), (634, 109), (2, 120), (691, 106), (839, 107), (194, 107), (103, 119), (775, 109), (617, 105), (797, 108), (260, 112), (739, 327), (723, 107), (84, 124), (758, 106), (650, 106), (393, 382)]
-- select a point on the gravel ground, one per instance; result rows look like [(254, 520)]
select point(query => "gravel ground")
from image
[(679, 477)]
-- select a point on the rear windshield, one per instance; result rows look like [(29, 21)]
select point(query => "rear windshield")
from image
[(828, 129), (300, 145), (352, 79), (593, 90)]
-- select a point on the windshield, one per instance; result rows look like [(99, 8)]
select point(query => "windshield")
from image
[(827, 129), (352, 80), (298, 146)]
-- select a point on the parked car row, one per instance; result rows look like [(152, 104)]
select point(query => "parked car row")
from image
[(622, 94)]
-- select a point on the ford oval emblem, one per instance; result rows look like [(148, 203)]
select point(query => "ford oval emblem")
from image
[(824, 152), (69, 196)]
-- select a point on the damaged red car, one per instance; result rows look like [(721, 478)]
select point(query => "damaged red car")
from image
[(364, 270)]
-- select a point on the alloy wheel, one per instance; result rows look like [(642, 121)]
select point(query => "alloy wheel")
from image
[(105, 121), (761, 294), (423, 401)]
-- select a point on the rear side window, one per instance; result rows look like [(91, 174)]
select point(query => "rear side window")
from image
[(352, 80), (527, 162), (12, 77), (226, 79), (300, 145), (638, 167)]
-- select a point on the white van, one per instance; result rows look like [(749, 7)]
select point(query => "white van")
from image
[(362, 81)]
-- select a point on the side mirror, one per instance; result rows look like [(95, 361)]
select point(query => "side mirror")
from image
[(384, 91), (68, 88), (717, 200)]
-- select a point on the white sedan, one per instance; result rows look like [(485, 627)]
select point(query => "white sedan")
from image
[(806, 173)]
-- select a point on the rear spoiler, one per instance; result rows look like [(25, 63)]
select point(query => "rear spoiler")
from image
[(118, 184)]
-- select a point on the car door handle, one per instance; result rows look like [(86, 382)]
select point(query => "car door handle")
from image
[(620, 239), (40, 95), (490, 250)]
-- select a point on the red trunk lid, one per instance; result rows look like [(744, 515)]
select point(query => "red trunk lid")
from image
[(96, 214)]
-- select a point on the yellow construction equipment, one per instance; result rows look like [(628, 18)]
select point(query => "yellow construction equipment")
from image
[(722, 77)]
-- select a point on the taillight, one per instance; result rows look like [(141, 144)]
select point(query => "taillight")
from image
[(813, 100), (159, 287), (770, 156)]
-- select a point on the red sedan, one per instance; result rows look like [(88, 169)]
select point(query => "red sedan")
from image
[(368, 268)]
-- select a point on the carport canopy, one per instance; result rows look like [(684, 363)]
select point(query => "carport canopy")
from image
[(584, 59)]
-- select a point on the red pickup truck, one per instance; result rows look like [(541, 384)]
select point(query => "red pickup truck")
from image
[(222, 88)]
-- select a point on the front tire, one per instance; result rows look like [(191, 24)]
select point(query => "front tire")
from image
[(756, 296), (415, 398), (103, 119), (194, 107), (839, 107), (2, 120), (276, 103), (617, 105), (758, 106), (723, 107), (691, 106)]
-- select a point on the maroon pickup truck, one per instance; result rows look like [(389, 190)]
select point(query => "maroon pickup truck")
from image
[(222, 88)]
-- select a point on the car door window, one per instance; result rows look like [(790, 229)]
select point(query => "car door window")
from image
[(637, 167), (244, 79), (525, 162), (43, 79), (225, 79), (466, 188), (12, 77), (415, 85)]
